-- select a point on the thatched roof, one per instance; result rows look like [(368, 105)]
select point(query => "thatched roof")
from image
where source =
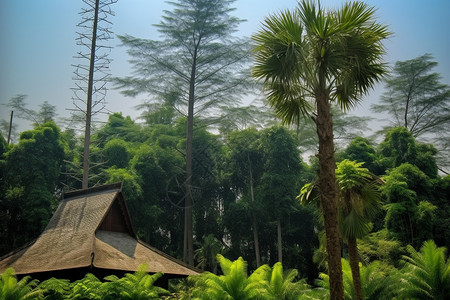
[(91, 228)]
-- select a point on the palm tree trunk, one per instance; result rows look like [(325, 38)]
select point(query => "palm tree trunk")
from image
[(280, 248), (354, 265), (329, 194)]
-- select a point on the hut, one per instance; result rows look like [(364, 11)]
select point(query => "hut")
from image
[(91, 231)]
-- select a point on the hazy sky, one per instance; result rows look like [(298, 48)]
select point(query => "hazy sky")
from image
[(37, 43)]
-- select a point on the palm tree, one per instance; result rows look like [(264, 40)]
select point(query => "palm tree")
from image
[(359, 201), (426, 273), (206, 253), (308, 58)]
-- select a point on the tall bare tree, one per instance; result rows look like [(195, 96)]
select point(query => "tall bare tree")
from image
[(92, 73)]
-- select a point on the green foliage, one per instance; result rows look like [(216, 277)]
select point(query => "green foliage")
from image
[(267, 163), (263, 283), (277, 284), (206, 253), (377, 281), (409, 209), (441, 190), (90, 287), (11, 289), (361, 150), (121, 127), (426, 273), (3, 146), (31, 170), (282, 166), (116, 153), (359, 199), (234, 284), (399, 147), (137, 286), (55, 289), (378, 246)]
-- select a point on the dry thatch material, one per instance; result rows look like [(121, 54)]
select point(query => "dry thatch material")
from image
[(91, 228)]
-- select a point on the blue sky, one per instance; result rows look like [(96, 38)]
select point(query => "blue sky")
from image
[(37, 43)]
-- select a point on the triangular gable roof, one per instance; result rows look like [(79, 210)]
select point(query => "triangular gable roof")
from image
[(91, 228)]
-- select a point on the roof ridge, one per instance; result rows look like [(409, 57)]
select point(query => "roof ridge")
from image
[(112, 186)]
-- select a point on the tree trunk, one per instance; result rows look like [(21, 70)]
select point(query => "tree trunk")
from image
[(354, 265), (254, 225), (87, 130), (329, 194), (256, 241), (280, 248), (188, 239)]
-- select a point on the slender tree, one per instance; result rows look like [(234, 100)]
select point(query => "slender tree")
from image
[(201, 64), (279, 183), (246, 163), (92, 73), (46, 112), (309, 58), (415, 98), (359, 201)]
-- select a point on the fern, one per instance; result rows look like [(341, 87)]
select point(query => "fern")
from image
[(11, 289), (427, 273), (139, 285), (55, 289)]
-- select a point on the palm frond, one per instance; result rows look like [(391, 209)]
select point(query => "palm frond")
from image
[(427, 272)]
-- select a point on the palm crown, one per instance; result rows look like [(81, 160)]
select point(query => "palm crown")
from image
[(310, 51)]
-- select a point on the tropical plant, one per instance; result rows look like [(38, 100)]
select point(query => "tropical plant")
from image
[(233, 284), (12, 289), (359, 201), (377, 281), (139, 285), (206, 253), (426, 273), (278, 284), (309, 58), (264, 283), (89, 287), (55, 289)]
